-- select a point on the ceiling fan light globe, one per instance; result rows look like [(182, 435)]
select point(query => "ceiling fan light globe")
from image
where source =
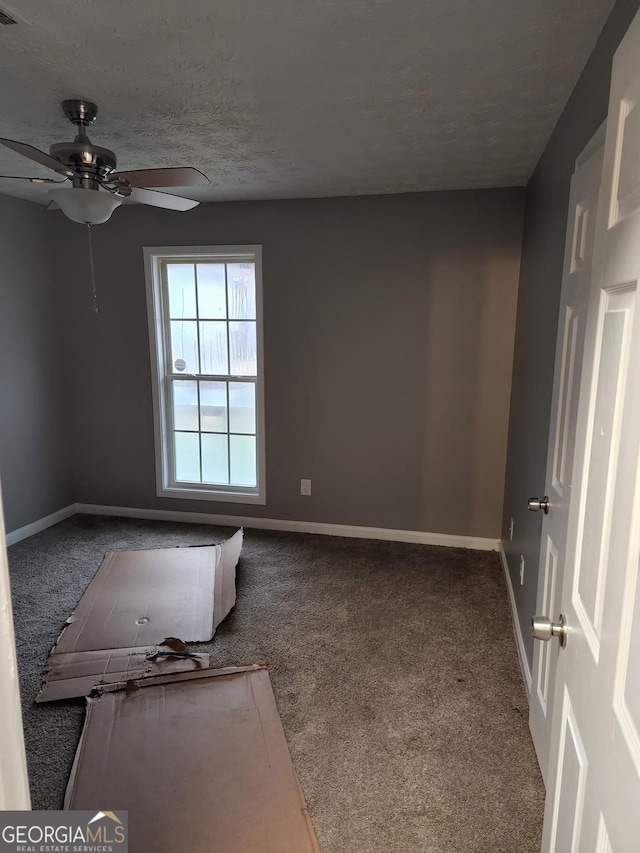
[(88, 207)]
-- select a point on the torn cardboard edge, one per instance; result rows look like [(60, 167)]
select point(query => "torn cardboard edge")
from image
[(134, 602), (174, 677), (78, 674), (199, 760)]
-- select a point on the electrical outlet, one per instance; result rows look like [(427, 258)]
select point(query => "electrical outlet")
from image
[(305, 487), (521, 570), (511, 531)]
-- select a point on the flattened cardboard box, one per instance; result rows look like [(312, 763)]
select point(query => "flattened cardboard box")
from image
[(77, 674), (135, 600), (200, 762)]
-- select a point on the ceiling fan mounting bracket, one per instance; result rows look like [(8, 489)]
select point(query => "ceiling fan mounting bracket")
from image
[(82, 113)]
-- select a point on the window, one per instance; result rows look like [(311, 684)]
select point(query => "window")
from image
[(205, 324)]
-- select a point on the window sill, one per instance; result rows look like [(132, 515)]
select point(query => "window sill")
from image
[(213, 496)]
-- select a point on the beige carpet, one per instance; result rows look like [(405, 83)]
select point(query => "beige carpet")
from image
[(393, 665)]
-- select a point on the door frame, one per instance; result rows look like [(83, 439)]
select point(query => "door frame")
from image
[(14, 782)]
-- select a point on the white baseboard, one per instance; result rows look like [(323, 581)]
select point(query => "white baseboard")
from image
[(41, 524), (522, 655), (390, 534), (417, 536)]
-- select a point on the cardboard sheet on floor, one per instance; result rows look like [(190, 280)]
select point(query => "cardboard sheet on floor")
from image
[(77, 674), (200, 762), (135, 600)]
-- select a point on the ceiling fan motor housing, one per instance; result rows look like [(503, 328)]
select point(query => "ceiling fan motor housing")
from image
[(90, 163)]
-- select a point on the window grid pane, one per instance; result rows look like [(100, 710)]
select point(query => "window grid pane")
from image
[(214, 406), (184, 346), (243, 348), (211, 289), (214, 347), (187, 457), (242, 407), (185, 406), (215, 458), (241, 289), (214, 429), (226, 296), (199, 413), (242, 459), (182, 291)]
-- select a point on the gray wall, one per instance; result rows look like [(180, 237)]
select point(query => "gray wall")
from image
[(389, 328), (34, 464), (538, 302)]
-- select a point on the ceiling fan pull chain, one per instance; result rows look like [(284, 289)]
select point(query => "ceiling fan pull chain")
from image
[(93, 272)]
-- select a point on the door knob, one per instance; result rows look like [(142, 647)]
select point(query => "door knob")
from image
[(535, 505), (545, 629)]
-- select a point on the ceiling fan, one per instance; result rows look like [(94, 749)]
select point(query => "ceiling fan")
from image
[(97, 188)]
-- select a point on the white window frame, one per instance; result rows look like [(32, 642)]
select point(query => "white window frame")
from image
[(154, 257)]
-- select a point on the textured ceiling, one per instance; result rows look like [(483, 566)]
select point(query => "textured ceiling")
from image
[(289, 99)]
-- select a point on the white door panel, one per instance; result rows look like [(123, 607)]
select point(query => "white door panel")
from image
[(543, 676), (581, 223), (572, 774), (593, 790)]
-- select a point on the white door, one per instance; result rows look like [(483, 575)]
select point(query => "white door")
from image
[(576, 281), (593, 795)]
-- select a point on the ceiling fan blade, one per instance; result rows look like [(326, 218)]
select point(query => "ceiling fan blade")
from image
[(171, 202), (183, 176), (36, 155), (33, 180)]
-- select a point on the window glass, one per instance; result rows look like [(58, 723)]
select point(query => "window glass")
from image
[(213, 406), (187, 450), (184, 346), (242, 349), (215, 458), (214, 348), (242, 452), (209, 400), (185, 405), (212, 298), (241, 287), (182, 290), (242, 407)]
